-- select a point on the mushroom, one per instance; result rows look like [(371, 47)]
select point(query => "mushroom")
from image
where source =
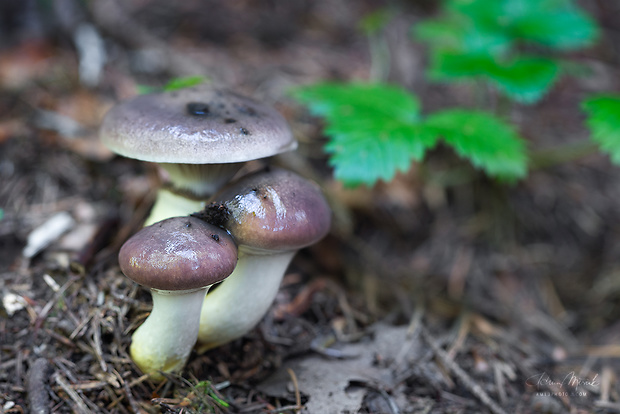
[(271, 215), (178, 259), (200, 135)]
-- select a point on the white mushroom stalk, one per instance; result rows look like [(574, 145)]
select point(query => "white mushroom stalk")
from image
[(165, 340), (178, 259), (271, 215), (250, 290), (200, 135), (190, 185)]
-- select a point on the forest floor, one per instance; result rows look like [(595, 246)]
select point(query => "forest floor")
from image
[(438, 292)]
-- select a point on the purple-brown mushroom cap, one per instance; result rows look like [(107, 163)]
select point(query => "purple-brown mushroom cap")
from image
[(275, 210), (179, 253), (197, 125)]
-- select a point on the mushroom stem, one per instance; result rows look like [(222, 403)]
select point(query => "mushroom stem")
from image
[(242, 299), (198, 181), (169, 204), (165, 340)]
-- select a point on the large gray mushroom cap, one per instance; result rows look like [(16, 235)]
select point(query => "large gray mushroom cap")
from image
[(179, 253), (275, 210), (198, 125)]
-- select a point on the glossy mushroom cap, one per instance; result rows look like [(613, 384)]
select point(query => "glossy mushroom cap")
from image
[(198, 125), (179, 253), (275, 210)]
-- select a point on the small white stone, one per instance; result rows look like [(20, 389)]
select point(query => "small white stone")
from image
[(13, 303)]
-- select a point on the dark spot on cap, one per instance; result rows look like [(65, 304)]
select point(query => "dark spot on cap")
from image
[(230, 120), (215, 237), (197, 108), (244, 131), (247, 110), (188, 224)]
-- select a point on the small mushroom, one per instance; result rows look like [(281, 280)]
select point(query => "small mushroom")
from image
[(201, 136), (178, 259), (271, 215)]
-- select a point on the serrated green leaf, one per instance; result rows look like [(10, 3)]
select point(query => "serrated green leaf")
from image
[(363, 158), (603, 120), (458, 66), (563, 28), (457, 34), (557, 24), (334, 100), (486, 141), (525, 79), (374, 129)]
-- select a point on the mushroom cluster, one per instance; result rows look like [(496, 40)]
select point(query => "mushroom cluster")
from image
[(244, 238)]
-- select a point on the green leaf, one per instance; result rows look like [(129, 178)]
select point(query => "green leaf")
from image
[(459, 66), (523, 79), (603, 120), (558, 24), (486, 141), (172, 85), (354, 100), (374, 129), (455, 33), (180, 83), (564, 27)]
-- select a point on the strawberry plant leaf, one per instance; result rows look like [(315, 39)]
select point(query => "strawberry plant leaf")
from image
[(459, 66), (558, 24), (374, 129), (456, 33), (603, 120), (365, 158), (525, 79), (485, 140), (480, 39)]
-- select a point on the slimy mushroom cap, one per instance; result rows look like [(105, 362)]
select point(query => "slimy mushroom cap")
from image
[(179, 253), (275, 210)]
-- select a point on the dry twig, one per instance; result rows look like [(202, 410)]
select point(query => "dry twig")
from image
[(465, 379)]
